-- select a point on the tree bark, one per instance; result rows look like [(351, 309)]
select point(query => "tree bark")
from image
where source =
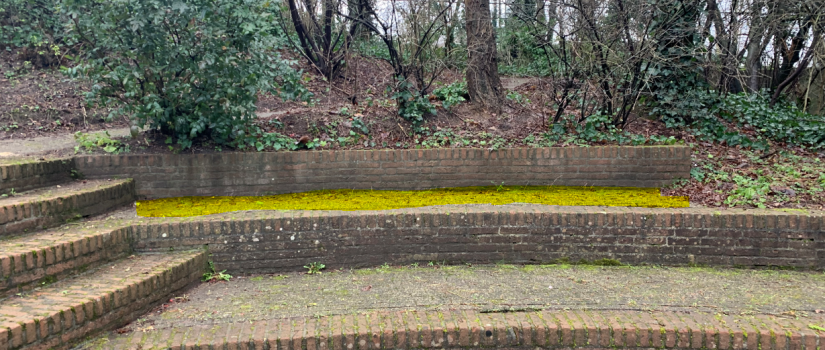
[(483, 83)]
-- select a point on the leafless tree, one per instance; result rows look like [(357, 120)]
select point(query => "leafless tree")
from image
[(324, 36), (410, 31)]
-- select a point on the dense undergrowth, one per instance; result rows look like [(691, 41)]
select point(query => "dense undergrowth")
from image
[(197, 84), (725, 177)]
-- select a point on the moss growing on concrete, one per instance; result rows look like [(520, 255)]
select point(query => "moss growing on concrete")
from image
[(383, 200)]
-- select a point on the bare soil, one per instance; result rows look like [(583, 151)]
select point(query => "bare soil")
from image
[(42, 101)]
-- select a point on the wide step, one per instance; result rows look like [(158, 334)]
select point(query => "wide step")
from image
[(28, 261), (55, 205), (65, 312), (469, 329)]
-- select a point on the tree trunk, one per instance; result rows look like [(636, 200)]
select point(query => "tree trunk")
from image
[(483, 83), (358, 9)]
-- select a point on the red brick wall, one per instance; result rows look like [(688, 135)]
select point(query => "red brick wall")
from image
[(264, 242), (283, 172), (25, 176)]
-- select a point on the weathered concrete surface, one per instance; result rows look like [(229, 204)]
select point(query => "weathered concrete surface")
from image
[(500, 287)]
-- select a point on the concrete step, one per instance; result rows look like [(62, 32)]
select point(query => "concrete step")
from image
[(471, 329), (63, 313), (55, 205)]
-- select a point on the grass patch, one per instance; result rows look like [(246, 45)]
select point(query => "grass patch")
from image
[(383, 200)]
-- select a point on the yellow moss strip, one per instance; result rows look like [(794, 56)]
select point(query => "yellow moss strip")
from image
[(383, 200)]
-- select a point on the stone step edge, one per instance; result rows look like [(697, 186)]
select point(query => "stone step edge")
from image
[(70, 324), (472, 329), (57, 209)]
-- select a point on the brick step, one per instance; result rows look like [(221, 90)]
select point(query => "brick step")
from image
[(55, 205), (61, 314), (453, 329), (38, 258)]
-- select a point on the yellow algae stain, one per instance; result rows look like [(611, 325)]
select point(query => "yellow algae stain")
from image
[(384, 200)]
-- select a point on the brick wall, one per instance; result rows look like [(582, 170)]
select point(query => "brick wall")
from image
[(283, 172), (265, 242), (35, 174)]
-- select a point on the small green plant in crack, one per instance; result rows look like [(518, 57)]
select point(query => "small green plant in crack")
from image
[(816, 328), (499, 187), (10, 194), (76, 174), (48, 280), (211, 275), (75, 218), (314, 268)]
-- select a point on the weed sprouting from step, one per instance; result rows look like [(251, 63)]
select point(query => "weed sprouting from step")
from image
[(48, 280), (75, 218), (816, 328), (314, 268), (607, 262), (211, 275)]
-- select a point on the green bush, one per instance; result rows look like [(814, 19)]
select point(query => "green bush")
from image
[(412, 106), (782, 122), (678, 103), (184, 67), (36, 26)]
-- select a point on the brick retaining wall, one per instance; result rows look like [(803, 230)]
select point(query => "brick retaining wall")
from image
[(29, 175), (265, 242), (235, 174)]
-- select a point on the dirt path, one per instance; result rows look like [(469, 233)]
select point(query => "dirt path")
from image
[(511, 83), (61, 144), (52, 144)]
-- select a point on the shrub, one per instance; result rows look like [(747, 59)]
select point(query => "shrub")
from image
[(411, 105), (782, 122), (678, 104), (184, 67), (36, 26)]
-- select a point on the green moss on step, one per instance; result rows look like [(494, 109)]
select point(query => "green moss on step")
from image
[(383, 200)]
